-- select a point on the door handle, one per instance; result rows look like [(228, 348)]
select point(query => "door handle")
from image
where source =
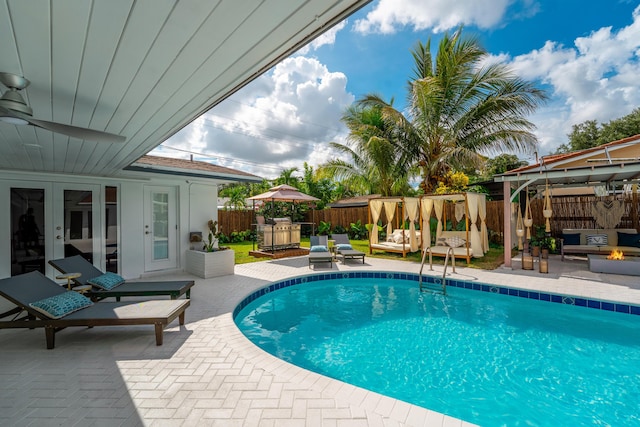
[(58, 237)]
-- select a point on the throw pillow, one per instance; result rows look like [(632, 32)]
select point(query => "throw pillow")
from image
[(597, 239), (398, 238), (62, 304), (455, 241), (319, 248), (629, 239), (344, 247), (107, 281), (442, 241), (571, 238)]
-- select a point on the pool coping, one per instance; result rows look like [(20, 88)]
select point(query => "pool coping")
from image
[(558, 298)]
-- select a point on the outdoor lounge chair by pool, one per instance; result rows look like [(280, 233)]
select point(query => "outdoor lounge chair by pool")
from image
[(343, 247), (78, 264), (319, 251), (43, 303)]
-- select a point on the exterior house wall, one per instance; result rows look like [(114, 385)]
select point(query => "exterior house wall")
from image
[(195, 205)]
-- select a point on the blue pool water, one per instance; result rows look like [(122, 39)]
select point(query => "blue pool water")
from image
[(486, 358)]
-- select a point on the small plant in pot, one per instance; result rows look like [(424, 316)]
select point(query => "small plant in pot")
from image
[(212, 239)]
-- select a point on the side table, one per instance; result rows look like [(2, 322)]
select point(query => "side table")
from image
[(69, 278)]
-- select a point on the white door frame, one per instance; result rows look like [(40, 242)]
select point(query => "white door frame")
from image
[(161, 238)]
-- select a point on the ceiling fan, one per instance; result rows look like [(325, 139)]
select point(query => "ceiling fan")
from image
[(14, 110)]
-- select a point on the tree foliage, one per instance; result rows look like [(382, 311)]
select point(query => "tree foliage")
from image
[(460, 106), (589, 134), (375, 162)]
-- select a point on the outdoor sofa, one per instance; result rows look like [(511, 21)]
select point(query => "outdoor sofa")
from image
[(42, 303), (599, 241), (78, 264)]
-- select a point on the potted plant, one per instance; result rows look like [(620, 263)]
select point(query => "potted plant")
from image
[(547, 243), (536, 241), (211, 260)]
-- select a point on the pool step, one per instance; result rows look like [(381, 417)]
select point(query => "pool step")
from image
[(439, 286)]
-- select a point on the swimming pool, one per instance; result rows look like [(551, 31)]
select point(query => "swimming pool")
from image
[(484, 357)]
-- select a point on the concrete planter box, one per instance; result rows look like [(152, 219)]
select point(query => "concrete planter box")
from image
[(210, 264)]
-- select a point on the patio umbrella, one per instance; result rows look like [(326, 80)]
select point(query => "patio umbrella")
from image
[(284, 193)]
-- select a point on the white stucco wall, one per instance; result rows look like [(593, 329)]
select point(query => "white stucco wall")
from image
[(195, 205)]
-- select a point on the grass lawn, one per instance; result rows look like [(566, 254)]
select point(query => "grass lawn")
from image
[(491, 260)]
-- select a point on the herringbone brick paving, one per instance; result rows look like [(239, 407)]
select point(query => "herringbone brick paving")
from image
[(208, 374)]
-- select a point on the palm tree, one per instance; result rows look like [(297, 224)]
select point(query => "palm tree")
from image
[(286, 177), (373, 166), (459, 106)]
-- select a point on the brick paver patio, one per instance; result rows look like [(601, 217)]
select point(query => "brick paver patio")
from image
[(208, 373)]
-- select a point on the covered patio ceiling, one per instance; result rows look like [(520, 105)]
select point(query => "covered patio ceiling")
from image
[(141, 69)]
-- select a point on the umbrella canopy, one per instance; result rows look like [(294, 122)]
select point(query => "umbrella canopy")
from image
[(284, 193)]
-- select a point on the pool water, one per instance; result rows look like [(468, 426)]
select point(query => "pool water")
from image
[(485, 358)]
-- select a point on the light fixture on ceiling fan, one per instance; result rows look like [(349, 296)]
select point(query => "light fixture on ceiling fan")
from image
[(14, 110)]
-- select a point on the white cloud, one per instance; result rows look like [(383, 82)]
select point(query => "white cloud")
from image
[(327, 38), (596, 79), (280, 120), (440, 15)]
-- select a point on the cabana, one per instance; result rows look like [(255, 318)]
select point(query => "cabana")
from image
[(398, 240), (464, 244)]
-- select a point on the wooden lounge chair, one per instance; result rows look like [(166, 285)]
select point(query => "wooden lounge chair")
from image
[(29, 288), (316, 255), (78, 264), (343, 239)]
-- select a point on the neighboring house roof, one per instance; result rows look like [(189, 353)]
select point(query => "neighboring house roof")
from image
[(354, 201), (625, 150), (617, 161), (193, 168)]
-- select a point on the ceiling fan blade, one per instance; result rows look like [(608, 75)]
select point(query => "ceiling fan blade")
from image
[(72, 131)]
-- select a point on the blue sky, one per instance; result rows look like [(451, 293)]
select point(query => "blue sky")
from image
[(584, 53)]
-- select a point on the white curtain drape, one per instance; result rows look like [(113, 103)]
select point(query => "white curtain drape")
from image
[(411, 211), (375, 206), (389, 211), (438, 206), (474, 234), (482, 211), (426, 205)]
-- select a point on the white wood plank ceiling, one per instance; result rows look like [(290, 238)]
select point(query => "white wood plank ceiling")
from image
[(138, 68)]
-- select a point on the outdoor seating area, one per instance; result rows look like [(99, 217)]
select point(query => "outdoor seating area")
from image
[(599, 241), (87, 275), (319, 252), (42, 303), (343, 248)]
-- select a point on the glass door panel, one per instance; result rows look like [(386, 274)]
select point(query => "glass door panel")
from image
[(160, 235), (27, 230)]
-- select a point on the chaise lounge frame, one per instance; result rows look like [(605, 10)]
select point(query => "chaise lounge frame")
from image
[(78, 264), (27, 288)]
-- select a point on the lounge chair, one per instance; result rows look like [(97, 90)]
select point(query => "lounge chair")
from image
[(343, 247), (319, 251), (78, 264), (28, 291)]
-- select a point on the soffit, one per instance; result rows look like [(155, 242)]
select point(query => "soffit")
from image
[(141, 69)]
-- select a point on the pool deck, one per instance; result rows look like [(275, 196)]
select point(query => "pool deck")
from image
[(208, 374)]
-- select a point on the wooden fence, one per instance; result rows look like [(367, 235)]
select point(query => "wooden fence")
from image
[(568, 212)]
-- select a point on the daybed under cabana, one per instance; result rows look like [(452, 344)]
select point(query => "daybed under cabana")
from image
[(464, 244), (398, 240)]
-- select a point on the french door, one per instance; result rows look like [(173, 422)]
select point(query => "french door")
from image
[(76, 222)]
